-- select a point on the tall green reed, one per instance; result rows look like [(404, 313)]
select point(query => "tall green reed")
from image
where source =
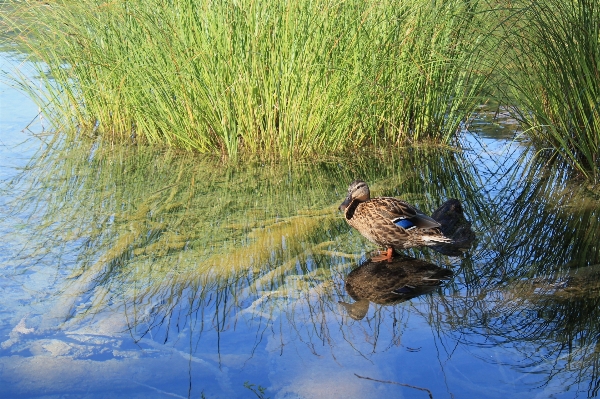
[(554, 74), (279, 79)]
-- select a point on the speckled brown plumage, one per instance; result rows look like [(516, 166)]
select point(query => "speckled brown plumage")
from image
[(377, 220)]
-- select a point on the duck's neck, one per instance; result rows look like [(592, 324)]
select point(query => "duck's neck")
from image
[(351, 208)]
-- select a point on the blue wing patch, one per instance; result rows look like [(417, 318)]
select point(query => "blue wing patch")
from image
[(404, 223), (407, 289)]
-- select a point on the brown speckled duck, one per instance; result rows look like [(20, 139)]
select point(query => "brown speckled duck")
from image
[(389, 222)]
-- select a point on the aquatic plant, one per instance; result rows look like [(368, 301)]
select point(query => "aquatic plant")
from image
[(152, 223), (554, 77), (275, 79)]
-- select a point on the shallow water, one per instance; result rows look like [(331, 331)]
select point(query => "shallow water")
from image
[(136, 272)]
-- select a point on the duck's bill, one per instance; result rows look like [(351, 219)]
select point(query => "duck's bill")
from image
[(345, 204)]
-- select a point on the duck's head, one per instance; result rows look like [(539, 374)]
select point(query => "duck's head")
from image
[(357, 310), (358, 191)]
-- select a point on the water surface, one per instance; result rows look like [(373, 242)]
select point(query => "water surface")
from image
[(130, 271)]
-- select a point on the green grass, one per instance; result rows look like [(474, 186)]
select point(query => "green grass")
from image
[(277, 80), (554, 76), (298, 80)]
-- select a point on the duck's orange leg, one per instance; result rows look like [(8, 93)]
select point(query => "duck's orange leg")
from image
[(390, 253), (383, 256)]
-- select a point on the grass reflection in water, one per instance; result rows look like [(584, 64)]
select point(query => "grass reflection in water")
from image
[(242, 267)]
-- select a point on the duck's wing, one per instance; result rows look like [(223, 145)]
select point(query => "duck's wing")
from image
[(402, 214)]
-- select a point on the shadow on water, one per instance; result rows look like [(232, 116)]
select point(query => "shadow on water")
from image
[(196, 268)]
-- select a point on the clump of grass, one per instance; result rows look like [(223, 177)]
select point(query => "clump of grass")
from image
[(281, 79), (555, 77)]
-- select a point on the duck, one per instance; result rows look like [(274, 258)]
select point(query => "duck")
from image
[(389, 222)]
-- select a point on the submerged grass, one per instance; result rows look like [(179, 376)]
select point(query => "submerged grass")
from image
[(275, 79), (170, 240), (145, 222)]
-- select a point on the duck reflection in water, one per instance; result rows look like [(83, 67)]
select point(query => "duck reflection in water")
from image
[(389, 282)]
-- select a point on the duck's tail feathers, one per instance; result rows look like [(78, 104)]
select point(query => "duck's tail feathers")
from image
[(430, 240)]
